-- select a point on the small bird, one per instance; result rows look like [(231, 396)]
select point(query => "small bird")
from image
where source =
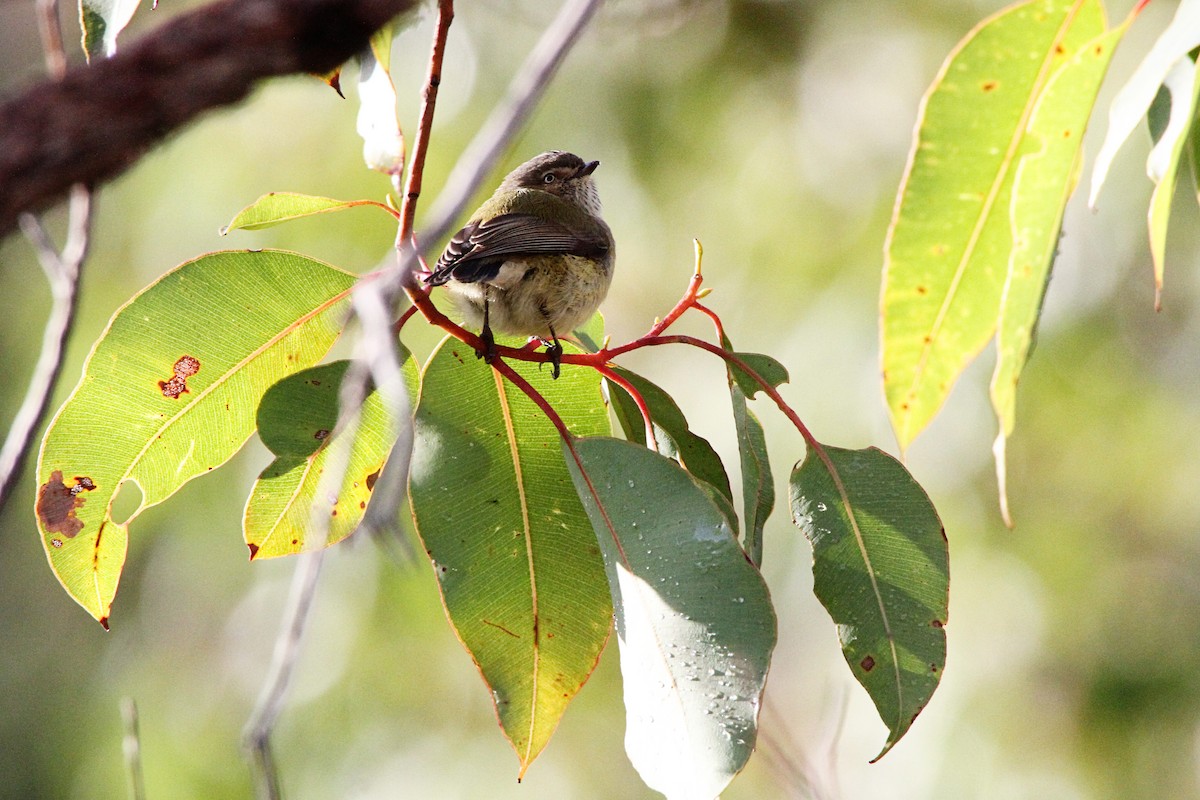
[(536, 259)]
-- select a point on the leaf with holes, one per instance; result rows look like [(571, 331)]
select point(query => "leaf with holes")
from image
[(881, 569), (170, 392), (516, 561), (694, 620), (296, 420), (950, 239), (279, 207)]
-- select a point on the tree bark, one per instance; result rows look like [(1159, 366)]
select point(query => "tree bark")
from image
[(100, 119)]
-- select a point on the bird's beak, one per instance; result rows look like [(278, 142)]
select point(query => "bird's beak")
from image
[(587, 169)]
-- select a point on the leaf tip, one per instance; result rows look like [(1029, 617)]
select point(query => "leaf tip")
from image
[(253, 549), (103, 621)]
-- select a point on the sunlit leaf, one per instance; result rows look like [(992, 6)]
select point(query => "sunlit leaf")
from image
[(296, 420), (517, 563), (881, 569), (378, 124), (276, 207), (163, 399), (1133, 100), (1046, 176), (950, 240), (101, 21), (695, 623), (1181, 87)]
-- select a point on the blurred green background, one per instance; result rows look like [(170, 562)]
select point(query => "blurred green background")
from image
[(776, 133)]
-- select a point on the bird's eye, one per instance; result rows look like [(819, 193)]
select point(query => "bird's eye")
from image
[(549, 177)]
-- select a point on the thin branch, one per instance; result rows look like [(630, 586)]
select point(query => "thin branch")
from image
[(52, 43), (507, 118), (96, 121), (257, 733), (375, 358), (62, 272), (131, 749)]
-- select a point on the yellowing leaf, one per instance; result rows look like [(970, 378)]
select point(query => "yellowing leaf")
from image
[(163, 400), (950, 240)]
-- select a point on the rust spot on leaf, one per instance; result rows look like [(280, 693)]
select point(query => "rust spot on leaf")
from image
[(374, 476), (922, 290), (321, 435), (937, 623), (867, 664), (989, 86), (185, 367), (57, 504), (295, 542), (253, 549)]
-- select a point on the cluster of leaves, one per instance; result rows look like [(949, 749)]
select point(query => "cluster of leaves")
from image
[(997, 155), (542, 527)]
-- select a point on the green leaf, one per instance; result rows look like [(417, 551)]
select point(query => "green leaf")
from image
[(758, 485), (766, 367), (518, 567), (276, 207), (1182, 86), (169, 392), (695, 623), (675, 438), (101, 21), (881, 569), (1046, 176), (950, 240), (296, 419)]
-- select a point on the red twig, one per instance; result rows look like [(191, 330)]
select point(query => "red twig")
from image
[(534, 395), (616, 378)]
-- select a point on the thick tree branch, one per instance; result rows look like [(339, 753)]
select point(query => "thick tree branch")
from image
[(96, 121)]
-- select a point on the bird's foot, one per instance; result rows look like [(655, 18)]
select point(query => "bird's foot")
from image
[(488, 351), (555, 351)]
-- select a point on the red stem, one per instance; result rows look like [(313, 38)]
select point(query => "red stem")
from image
[(616, 378)]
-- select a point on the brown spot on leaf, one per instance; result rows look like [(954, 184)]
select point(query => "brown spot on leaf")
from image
[(253, 549), (57, 503), (295, 542), (374, 476), (104, 622), (56, 542), (867, 664), (184, 368), (83, 484), (922, 290), (362, 504), (937, 623), (989, 86), (321, 435)]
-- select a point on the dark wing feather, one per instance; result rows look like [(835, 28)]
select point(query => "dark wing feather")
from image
[(477, 252)]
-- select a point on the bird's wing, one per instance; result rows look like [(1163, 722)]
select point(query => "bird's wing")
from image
[(477, 252)]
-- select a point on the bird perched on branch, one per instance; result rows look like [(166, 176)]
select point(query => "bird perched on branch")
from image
[(536, 259)]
